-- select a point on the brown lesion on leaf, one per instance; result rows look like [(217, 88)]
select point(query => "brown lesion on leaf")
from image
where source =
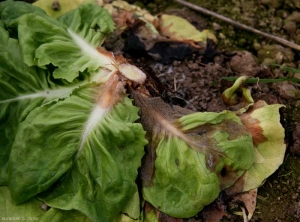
[(227, 176), (235, 130), (214, 211), (203, 136), (106, 53), (253, 125), (113, 92), (116, 60), (148, 167), (201, 139), (119, 59), (231, 127), (237, 187), (123, 19), (159, 120), (156, 115)]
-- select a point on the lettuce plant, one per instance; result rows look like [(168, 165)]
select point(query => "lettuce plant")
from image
[(196, 156), (68, 131), (72, 140)]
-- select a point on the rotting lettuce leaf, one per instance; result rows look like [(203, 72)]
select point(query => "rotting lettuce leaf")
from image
[(44, 40), (190, 158), (263, 121)]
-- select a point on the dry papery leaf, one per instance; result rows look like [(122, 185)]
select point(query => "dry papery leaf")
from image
[(162, 37)]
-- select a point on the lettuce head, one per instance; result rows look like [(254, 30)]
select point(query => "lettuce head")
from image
[(68, 131)]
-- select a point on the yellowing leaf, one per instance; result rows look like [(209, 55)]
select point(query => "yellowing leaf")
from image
[(57, 8), (180, 29), (263, 122)]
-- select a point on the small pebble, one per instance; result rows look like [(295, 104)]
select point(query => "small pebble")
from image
[(295, 196), (285, 190)]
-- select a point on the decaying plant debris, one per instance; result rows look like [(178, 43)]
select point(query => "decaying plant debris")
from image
[(190, 159)]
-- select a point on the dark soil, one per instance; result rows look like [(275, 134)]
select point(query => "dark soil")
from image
[(195, 82)]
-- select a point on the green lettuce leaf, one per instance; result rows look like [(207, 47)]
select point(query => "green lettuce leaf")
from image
[(83, 151), (31, 210), (131, 212), (90, 22), (69, 138), (181, 184), (191, 157), (57, 215), (44, 40), (22, 89)]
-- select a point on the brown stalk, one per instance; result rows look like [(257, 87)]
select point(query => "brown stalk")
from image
[(238, 24)]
